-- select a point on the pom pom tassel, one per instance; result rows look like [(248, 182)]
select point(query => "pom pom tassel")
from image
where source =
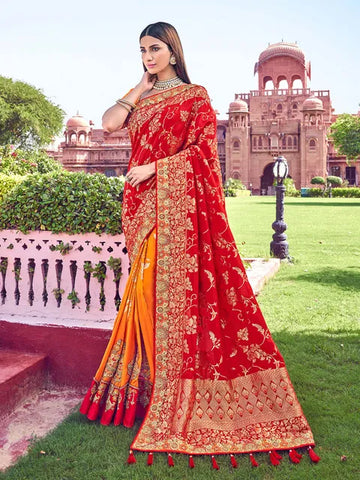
[(277, 455), (150, 458), (170, 460), (294, 456), (131, 458), (233, 461), (273, 458), (253, 461), (214, 463), (314, 458), (191, 462)]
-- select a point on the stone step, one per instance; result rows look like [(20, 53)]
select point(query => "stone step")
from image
[(21, 374)]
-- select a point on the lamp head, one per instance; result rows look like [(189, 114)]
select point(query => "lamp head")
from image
[(280, 169)]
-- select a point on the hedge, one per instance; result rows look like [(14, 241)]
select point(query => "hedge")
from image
[(14, 161), (64, 202), (349, 192)]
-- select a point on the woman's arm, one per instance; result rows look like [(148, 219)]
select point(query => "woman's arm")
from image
[(115, 116)]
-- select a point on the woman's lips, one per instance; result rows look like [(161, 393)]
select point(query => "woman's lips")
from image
[(151, 65)]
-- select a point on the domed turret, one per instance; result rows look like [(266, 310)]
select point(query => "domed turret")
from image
[(313, 103), (77, 121), (238, 106)]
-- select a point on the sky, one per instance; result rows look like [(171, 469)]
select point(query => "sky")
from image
[(84, 55)]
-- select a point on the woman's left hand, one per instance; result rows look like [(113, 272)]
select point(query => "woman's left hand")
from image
[(140, 173)]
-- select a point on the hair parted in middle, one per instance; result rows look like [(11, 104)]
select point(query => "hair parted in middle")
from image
[(167, 33)]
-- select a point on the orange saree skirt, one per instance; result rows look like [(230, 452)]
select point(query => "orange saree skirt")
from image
[(121, 388)]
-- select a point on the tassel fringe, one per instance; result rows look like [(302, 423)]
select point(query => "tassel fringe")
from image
[(253, 461), (314, 458), (274, 456), (131, 458), (214, 463)]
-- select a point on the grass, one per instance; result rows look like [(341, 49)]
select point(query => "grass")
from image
[(313, 311)]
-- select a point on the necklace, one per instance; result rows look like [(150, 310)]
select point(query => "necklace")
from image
[(165, 84)]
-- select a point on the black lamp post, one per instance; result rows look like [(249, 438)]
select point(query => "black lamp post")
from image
[(279, 247)]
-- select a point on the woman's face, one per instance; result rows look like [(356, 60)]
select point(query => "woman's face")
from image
[(156, 57)]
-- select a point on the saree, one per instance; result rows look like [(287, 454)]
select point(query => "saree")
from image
[(210, 380)]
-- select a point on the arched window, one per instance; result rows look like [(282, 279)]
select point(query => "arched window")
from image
[(254, 143), (283, 142), (283, 84), (312, 144), (295, 141), (279, 108), (295, 107), (289, 142), (260, 142), (268, 83), (236, 145)]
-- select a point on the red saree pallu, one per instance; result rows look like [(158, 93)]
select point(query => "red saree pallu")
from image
[(219, 383)]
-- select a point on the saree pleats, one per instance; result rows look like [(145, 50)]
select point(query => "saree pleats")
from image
[(122, 385)]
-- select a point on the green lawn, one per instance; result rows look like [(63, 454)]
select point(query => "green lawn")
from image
[(312, 307)]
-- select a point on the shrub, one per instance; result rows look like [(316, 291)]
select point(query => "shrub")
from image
[(64, 202), (232, 186), (8, 182), (19, 162), (317, 181), (315, 192), (350, 192), (334, 181), (290, 189)]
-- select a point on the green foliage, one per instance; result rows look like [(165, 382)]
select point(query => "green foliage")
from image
[(73, 297), (318, 181), (8, 182), (350, 192), (232, 186), (21, 162), (64, 202), (334, 181), (290, 189), (345, 133), (28, 119), (63, 248), (115, 265), (315, 192)]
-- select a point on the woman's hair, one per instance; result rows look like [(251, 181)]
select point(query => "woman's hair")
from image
[(167, 33)]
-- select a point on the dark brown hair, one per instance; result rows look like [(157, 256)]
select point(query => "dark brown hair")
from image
[(167, 33)]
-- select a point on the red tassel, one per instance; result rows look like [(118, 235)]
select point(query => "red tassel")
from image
[(191, 462), (277, 455), (294, 456), (314, 458), (131, 458), (253, 461), (273, 459), (170, 460), (233, 461), (150, 458), (214, 463)]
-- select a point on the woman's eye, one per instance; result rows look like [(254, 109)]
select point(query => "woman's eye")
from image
[(155, 49)]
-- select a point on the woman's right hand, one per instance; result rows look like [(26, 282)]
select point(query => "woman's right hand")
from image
[(146, 83)]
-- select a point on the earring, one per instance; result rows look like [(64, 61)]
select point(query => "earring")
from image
[(172, 60)]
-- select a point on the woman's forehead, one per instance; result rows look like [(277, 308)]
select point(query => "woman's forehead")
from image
[(148, 41)]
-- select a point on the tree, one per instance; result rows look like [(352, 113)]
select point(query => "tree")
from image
[(28, 119), (345, 133)]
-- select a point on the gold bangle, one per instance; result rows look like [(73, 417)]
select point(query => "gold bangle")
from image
[(124, 105), (132, 105)]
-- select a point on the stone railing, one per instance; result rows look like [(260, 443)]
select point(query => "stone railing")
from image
[(57, 278)]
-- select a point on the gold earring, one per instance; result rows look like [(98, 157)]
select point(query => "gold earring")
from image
[(172, 60)]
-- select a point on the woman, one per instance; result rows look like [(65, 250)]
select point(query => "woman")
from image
[(190, 349)]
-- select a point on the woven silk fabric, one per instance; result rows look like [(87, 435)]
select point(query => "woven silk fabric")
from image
[(220, 383)]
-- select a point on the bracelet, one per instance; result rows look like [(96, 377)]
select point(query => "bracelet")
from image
[(124, 105), (132, 105)]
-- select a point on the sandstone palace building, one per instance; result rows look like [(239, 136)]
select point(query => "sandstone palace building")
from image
[(282, 116)]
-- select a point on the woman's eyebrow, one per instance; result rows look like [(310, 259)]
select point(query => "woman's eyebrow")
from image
[(154, 45)]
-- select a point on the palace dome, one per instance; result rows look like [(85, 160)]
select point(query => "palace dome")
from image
[(281, 49), (238, 106), (313, 103), (77, 121)]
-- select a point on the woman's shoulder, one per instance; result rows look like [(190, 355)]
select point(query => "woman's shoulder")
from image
[(198, 90)]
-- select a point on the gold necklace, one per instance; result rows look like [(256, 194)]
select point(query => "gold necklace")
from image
[(165, 84)]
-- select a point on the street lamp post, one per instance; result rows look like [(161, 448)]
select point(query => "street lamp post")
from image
[(279, 247)]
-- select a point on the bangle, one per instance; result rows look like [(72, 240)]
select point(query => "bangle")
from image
[(124, 105), (132, 105)]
